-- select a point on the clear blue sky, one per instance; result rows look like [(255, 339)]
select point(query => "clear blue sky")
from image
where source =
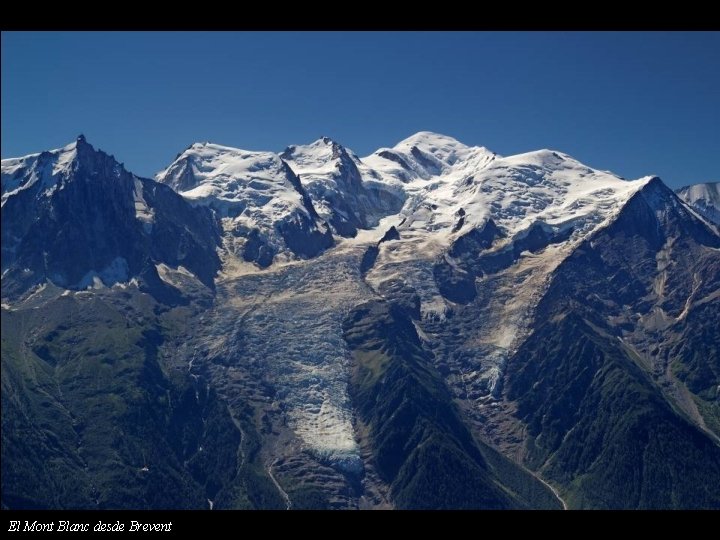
[(633, 103)]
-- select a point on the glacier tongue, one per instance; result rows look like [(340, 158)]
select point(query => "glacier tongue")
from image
[(286, 322)]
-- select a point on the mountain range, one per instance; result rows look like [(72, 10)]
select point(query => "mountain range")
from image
[(432, 326)]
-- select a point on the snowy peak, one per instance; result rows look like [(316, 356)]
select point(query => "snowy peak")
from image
[(667, 205), (22, 173), (445, 149), (75, 217), (222, 167), (444, 179), (423, 156), (709, 192), (546, 159), (264, 207), (235, 182), (321, 157), (704, 198), (334, 181), (46, 171)]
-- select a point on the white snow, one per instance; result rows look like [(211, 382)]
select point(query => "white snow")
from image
[(255, 183), (709, 192), (440, 177), (48, 168), (312, 160), (176, 277), (143, 212), (247, 189), (423, 155), (704, 199), (516, 192), (332, 176), (317, 165), (116, 272)]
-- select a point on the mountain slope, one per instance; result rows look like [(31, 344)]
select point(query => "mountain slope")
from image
[(422, 449), (596, 381), (97, 413), (599, 427)]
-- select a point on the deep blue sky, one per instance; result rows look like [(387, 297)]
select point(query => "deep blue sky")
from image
[(633, 103)]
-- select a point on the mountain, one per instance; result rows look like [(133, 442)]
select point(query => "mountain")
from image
[(431, 326), (101, 270), (423, 156), (264, 208), (618, 316), (75, 218), (345, 199), (704, 198)]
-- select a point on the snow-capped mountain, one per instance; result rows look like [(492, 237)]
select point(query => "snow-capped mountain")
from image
[(263, 206), (43, 171), (430, 326), (423, 155), (431, 186), (76, 218), (704, 198), (342, 196), (470, 186)]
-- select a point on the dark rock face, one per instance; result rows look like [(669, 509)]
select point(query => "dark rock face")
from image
[(472, 257), (618, 266), (429, 163), (372, 252), (304, 241), (393, 156), (456, 282), (257, 251), (369, 258), (181, 234), (184, 179), (295, 181), (91, 224), (391, 234)]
